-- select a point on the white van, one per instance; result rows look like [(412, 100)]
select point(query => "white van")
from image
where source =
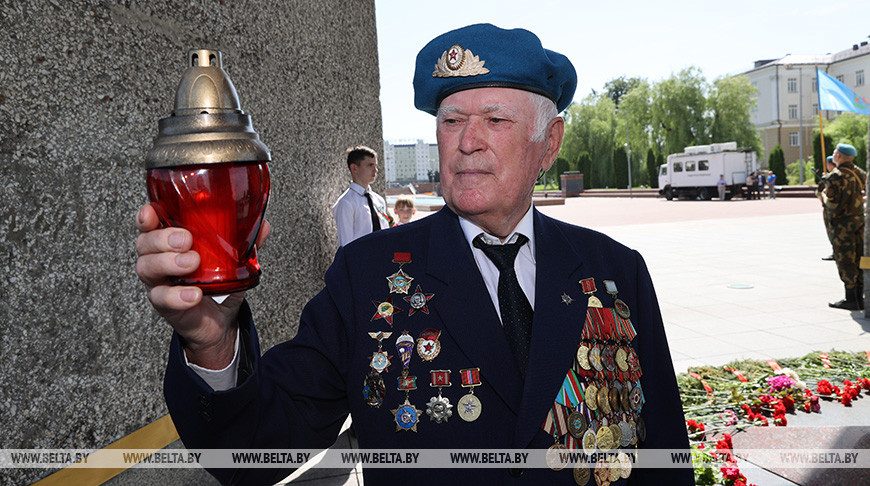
[(695, 172)]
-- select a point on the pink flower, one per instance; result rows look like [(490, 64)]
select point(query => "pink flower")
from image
[(779, 383)]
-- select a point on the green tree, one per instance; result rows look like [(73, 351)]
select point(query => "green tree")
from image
[(584, 164), (615, 89), (730, 102), (590, 127), (560, 166), (850, 128), (620, 169), (793, 171), (678, 111), (776, 163), (652, 169)]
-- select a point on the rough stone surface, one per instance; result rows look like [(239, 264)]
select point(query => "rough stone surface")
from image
[(82, 86)]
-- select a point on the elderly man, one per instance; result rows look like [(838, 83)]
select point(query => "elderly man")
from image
[(497, 328), (843, 200)]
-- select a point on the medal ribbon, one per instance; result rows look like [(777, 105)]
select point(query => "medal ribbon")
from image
[(570, 394), (440, 378), (556, 423), (602, 322), (587, 285), (572, 443), (470, 377), (400, 257), (625, 329)]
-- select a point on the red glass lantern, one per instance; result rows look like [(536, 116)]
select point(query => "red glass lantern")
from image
[(208, 173)]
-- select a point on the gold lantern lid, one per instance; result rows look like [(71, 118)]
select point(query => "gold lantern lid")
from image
[(207, 125)]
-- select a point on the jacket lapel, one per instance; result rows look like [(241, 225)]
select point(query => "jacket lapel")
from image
[(556, 327), (466, 308)]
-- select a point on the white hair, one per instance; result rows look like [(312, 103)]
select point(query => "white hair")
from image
[(545, 111)]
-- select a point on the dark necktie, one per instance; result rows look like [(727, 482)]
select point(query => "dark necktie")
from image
[(516, 312), (376, 223)]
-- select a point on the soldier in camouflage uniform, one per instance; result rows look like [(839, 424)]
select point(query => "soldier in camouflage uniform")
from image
[(843, 199)]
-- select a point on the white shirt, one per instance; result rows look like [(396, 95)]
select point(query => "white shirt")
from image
[(524, 263), (352, 215)]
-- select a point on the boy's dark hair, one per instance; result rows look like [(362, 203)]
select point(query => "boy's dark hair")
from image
[(356, 154)]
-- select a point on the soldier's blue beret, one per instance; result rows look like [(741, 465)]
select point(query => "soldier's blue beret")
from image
[(830, 158), (483, 55), (847, 149)]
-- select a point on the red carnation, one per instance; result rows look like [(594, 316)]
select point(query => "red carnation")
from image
[(824, 387), (788, 401)]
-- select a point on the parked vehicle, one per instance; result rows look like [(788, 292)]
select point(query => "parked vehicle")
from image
[(695, 172)]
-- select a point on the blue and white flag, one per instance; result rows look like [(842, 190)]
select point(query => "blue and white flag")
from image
[(834, 95)]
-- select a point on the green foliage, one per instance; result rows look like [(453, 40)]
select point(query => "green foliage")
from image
[(652, 169), (584, 166), (615, 89), (793, 170), (591, 129), (776, 163), (730, 101), (620, 169), (559, 167), (850, 128), (663, 117), (678, 107)]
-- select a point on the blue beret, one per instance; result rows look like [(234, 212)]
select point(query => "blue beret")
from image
[(483, 55), (847, 149), (830, 158)]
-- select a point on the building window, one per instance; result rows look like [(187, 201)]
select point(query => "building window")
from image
[(792, 85), (841, 79), (815, 84), (793, 139), (792, 112), (859, 78), (815, 107)]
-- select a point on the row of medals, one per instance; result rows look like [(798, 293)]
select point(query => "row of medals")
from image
[(439, 409), (615, 402)]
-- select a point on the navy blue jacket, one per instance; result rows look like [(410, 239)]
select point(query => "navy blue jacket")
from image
[(299, 393)]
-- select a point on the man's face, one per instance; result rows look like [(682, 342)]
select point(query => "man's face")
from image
[(488, 162), (365, 172)]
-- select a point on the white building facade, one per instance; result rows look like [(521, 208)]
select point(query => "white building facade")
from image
[(410, 162), (787, 101)]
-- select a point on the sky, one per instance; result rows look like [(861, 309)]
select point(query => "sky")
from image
[(606, 40)]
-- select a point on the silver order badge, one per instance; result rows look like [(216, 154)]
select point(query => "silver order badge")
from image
[(439, 408)]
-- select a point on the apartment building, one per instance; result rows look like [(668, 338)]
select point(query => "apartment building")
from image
[(409, 162), (787, 103)]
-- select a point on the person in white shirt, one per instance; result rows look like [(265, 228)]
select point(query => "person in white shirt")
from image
[(360, 211)]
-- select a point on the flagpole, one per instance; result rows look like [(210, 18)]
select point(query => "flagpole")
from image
[(822, 139)]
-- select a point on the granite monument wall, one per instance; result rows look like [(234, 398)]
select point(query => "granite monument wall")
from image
[(82, 86)]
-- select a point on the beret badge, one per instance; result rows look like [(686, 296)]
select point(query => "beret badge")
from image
[(458, 62)]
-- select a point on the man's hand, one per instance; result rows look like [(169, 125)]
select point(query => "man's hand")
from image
[(208, 328)]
